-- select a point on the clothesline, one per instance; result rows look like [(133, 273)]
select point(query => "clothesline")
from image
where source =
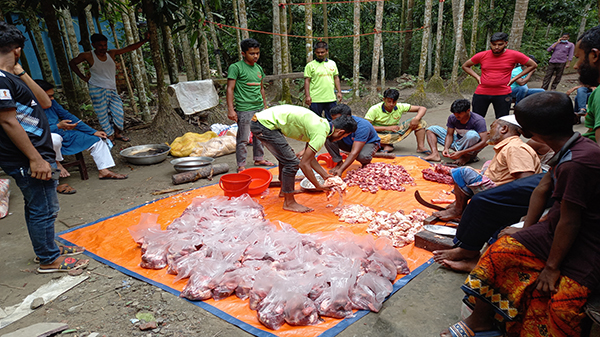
[(221, 25)]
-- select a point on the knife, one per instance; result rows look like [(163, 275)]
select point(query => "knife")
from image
[(427, 204)]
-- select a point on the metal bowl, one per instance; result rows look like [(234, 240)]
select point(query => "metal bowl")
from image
[(307, 185), (191, 163), (146, 154)]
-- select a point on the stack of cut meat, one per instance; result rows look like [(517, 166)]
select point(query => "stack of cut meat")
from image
[(377, 176), (355, 214), (397, 226), (226, 247), (439, 174)]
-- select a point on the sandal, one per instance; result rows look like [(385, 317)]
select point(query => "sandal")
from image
[(66, 251), (263, 163), (68, 263), (461, 329), (65, 189), (122, 138)]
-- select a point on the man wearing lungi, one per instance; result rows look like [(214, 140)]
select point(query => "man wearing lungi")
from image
[(102, 83)]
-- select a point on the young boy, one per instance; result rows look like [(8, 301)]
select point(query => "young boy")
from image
[(385, 117), (471, 135), (245, 89), (539, 278)]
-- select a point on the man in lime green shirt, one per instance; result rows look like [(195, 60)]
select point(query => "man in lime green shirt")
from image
[(320, 78), (273, 125), (245, 89), (385, 118)]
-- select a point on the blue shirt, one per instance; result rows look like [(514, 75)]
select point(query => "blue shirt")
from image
[(365, 132)]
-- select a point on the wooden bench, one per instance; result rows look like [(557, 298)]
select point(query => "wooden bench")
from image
[(80, 163)]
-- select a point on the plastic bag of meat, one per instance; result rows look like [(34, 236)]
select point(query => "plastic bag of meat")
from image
[(263, 282), (385, 248), (154, 249), (301, 310), (382, 266), (270, 310), (147, 221), (227, 284), (335, 301), (370, 291), (182, 245)]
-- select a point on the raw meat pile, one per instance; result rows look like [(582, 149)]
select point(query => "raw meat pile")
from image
[(336, 185), (398, 227), (227, 247), (377, 176), (439, 174), (355, 214)]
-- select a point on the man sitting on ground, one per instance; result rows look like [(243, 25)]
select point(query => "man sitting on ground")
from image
[(70, 135), (361, 144), (513, 160), (471, 135), (385, 117), (519, 88), (539, 279)]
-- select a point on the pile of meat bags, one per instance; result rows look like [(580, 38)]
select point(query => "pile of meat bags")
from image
[(227, 247)]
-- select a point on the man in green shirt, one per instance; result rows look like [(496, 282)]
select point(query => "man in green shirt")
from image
[(385, 118), (588, 67), (320, 78), (245, 89), (273, 125)]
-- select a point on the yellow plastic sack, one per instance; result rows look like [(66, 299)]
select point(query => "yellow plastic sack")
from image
[(184, 145), (215, 147)]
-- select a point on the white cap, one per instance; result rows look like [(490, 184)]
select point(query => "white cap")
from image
[(510, 119)]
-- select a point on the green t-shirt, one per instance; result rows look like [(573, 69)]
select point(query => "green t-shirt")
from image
[(322, 84), (248, 81), (297, 123), (378, 116), (591, 121)]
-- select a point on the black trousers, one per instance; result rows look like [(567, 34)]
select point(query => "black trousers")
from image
[(501, 104), (553, 69)]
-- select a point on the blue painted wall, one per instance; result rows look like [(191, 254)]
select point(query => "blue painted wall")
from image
[(36, 71)]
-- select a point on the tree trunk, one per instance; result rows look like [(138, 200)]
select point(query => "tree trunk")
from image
[(474, 29), (456, 10), (458, 30), (124, 67), (80, 86), (236, 21), (171, 56), (135, 36), (213, 34), (438, 43), (429, 56), (203, 49), (167, 124), (518, 24), (402, 37), (326, 24), (308, 25), (382, 65), (188, 57), (376, 46), (90, 19), (34, 25), (586, 10), (407, 37), (548, 30), (425, 40), (285, 56), (138, 75), (489, 30), (61, 60), (277, 66), (356, 45), (83, 30), (243, 19)]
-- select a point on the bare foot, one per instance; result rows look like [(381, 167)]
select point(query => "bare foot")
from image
[(454, 254), (293, 206), (63, 171), (448, 214), (108, 174), (281, 194), (461, 161), (387, 148), (240, 169), (462, 265), (433, 157)]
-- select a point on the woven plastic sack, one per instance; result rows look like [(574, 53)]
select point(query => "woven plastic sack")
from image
[(184, 145)]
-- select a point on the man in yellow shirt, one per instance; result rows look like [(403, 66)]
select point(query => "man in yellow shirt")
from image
[(385, 118), (273, 125)]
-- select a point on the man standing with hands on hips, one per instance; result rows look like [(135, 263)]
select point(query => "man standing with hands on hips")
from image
[(562, 53), (320, 78)]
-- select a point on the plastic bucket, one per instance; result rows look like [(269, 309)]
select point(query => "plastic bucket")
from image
[(235, 184), (260, 180)]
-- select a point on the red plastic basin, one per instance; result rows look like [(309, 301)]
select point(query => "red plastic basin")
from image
[(260, 179)]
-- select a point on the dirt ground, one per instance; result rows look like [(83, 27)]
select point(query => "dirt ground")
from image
[(108, 299)]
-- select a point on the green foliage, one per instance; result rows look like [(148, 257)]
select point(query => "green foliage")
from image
[(86, 109), (435, 85)]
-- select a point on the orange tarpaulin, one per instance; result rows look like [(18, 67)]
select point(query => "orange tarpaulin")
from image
[(109, 241)]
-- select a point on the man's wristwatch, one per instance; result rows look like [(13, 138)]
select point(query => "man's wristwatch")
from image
[(21, 73)]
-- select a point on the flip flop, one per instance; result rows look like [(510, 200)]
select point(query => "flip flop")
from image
[(123, 138), (263, 163), (113, 176), (461, 329), (65, 251), (69, 263), (426, 152), (65, 189)]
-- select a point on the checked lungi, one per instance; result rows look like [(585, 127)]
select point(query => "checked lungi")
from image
[(108, 107), (505, 277)]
